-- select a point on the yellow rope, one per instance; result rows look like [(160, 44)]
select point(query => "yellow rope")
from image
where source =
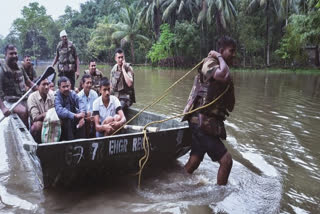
[(146, 145), (165, 93)]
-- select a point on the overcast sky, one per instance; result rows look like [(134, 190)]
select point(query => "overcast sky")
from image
[(11, 9)]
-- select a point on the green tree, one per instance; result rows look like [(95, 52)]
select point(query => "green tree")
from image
[(305, 30), (101, 43), (187, 9), (163, 47), (318, 5), (80, 36), (65, 20), (128, 29), (2, 44), (32, 30), (287, 6), (222, 11), (186, 39), (272, 9), (291, 47), (151, 14)]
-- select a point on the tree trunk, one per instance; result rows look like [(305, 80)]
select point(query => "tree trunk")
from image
[(219, 27), (132, 52), (204, 7), (244, 57), (316, 60), (287, 11), (157, 23), (267, 47)]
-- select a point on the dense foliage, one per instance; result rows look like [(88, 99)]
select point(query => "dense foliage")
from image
[(175, 32)]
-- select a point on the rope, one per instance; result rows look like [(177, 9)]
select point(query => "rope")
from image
[(165, 93), (146, 144)]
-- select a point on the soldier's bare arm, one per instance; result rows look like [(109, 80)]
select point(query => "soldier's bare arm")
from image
[(222, 73), (55, 59), (77, 65), (128, 76)]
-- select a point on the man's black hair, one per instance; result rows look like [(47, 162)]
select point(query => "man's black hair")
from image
[(226, 41), (104, 81), (9, 47), (53, 82), (118, 51), (91, 60), (63, 79), (26, 56), (84, 77)]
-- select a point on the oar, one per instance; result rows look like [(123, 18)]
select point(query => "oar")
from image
[(49, 71)]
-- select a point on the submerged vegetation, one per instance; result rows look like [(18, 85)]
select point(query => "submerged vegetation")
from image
[(278, 33)]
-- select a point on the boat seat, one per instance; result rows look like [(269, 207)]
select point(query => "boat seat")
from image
[(140, 128)]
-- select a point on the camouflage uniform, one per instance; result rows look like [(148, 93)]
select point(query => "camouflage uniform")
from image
[(30, 72), (205, 89), (67, 56), (96, 77), (12, 83), (119, 87)]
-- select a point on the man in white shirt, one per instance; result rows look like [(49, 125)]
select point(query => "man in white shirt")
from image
[(107, 111), (87, 95)]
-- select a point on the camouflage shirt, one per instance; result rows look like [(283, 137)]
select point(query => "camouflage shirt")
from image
[(30, 72), (12, 81), (119, 86), (205, 89), (96, 77), (67, 56)]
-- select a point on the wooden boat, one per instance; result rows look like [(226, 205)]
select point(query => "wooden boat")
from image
[(58, 162)]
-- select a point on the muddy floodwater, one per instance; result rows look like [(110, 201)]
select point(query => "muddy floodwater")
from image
[(273, 136)]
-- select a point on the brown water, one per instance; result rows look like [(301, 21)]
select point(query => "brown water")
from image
[(272, 135)]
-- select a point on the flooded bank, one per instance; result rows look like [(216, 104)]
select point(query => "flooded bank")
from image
[(272, 135)]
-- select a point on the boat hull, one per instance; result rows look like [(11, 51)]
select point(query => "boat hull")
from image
[(63, 162)]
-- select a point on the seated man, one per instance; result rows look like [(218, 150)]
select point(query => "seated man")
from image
[(52, 89), (39, 102), (96, 75), (87, 95), (107, 111), (70, 110), (13, 82), (28, 68)]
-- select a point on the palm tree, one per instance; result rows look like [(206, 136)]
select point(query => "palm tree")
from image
[(222, 11), (289, 5), (151, 13), (127, 30), (173, 8), (269, 6)]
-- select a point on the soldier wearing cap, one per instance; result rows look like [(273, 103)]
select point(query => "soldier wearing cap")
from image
[(66, 55)]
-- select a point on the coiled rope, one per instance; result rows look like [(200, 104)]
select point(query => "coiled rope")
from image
[(165, 93), (146, 145)]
